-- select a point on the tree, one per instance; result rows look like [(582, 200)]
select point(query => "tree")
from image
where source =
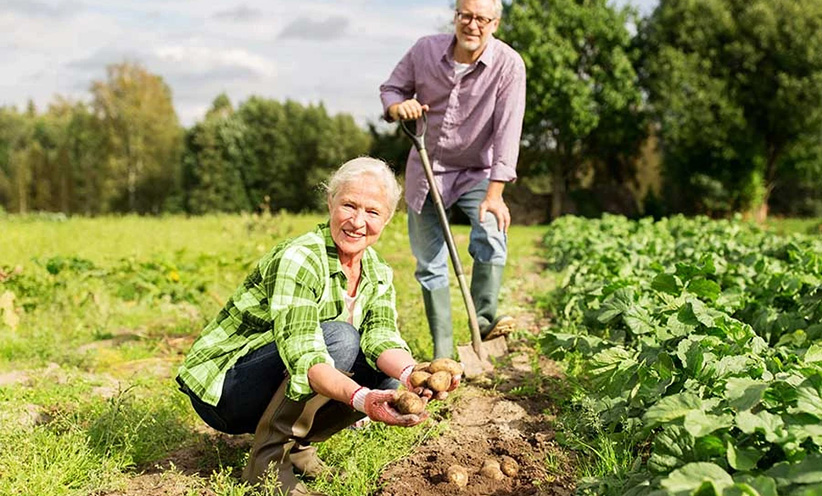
[(390, 146), (15, 171), (213, 163), (583, 98), (289, 149), (735, 86), (143, 136)]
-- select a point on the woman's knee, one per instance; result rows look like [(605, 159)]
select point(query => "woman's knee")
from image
[(343, 343)]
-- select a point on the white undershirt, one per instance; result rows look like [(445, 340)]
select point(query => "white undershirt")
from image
[(350, 304), (460, 69)]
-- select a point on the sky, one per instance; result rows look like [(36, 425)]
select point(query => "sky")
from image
[(310, 51)]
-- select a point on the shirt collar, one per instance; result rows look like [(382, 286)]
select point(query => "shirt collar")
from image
[(334, 265), (487, 57)]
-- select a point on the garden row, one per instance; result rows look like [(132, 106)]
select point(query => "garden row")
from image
[(698, 345)]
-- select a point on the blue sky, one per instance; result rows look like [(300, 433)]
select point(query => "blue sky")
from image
[(308, 50)]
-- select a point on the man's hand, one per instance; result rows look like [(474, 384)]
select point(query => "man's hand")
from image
[(376, 404), (494, 203), (407, 110)]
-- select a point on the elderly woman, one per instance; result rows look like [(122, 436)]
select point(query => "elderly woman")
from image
[(308, 344)]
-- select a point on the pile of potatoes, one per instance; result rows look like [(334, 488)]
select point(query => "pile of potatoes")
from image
[(491, 468), (436, 376)]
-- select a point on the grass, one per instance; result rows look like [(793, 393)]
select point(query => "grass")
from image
[(784, 226), (107, 309)]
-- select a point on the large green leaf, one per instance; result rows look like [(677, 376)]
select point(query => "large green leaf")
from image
[(703, 314), (667, 283), (809, 399), (671, 408), (655, 380), (814, 354), (806, 430), (691, 477), (704, 288), (770, 425), (764, 486), (743, 459), (743, 393), (699, 424), (807, 471), (616, 304), (638, 320)]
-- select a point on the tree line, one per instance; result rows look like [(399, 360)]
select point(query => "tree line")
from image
[(726, 95)]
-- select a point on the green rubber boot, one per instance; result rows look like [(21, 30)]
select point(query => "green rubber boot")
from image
[(283, 421), (438, 311), (486, 281)]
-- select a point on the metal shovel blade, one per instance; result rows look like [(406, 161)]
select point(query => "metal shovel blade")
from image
[(476, 366)]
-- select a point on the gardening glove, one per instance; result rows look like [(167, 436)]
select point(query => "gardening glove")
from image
[(405, 380), (376, 404)]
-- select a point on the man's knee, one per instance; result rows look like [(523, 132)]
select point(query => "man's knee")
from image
[(343, 342)]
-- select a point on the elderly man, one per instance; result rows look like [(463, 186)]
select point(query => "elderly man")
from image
[(473, 88)]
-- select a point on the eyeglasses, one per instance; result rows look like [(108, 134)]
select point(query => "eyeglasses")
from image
[(466, 18)]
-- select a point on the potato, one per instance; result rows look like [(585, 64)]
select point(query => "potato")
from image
[(446, 364), (457, 475), (417, 379), (509, 466), (407, 402), (491, 469), (421, 367), (440, 381)]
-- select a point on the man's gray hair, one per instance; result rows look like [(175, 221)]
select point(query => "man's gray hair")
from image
[(354, 169), (497, 8)]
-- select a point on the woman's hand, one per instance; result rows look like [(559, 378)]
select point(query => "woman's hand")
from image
[(424, 392), (405, 380), (376, 404)]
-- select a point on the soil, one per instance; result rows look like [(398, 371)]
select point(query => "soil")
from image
[(488, 418), (510, 413)]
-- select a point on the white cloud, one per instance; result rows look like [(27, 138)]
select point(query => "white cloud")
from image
[(311, 29), (34, 8), (241, 13), (211, 62)]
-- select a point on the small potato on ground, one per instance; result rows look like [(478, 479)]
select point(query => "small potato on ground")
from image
[(407, 402), (509, 466), (491, 469), (457, 475)]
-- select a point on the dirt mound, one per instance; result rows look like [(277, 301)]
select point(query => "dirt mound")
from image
[(483, 425)]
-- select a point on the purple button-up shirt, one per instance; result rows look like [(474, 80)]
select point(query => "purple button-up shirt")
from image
[(474, 122)]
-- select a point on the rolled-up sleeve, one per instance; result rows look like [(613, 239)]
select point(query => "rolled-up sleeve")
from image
[(294, 282), (400, 85), (508, 115)]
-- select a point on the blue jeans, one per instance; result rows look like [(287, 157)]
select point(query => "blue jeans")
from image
[(251, 383), (486, 244)]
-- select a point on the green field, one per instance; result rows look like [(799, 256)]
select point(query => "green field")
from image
[(103, 310), (691, 347)]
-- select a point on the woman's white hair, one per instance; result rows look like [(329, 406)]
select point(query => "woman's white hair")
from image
[(354, 169), (497, 7)]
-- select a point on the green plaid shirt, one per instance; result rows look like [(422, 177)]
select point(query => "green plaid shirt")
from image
[(293, 288)]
